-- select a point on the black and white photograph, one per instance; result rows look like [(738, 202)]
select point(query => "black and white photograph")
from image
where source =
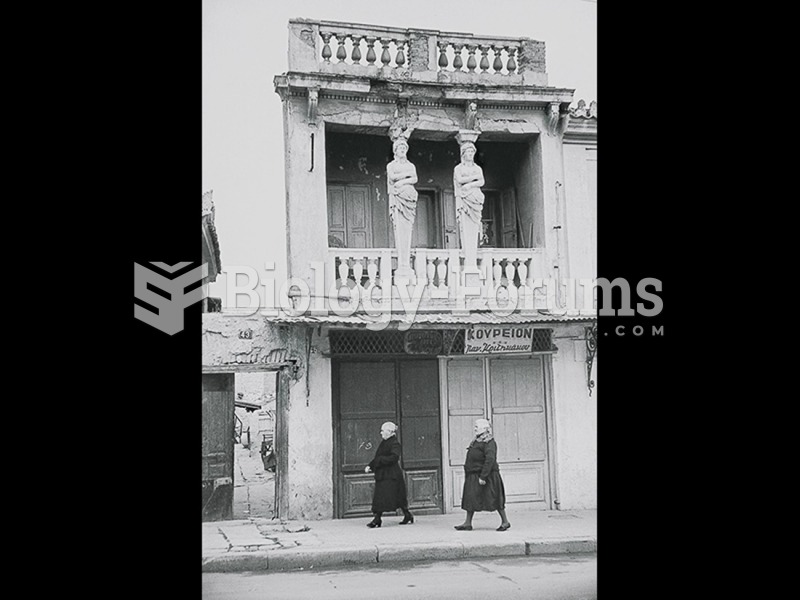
[(400, 301)]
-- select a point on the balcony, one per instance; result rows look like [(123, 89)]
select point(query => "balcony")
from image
[(501, 271), (424, 55)]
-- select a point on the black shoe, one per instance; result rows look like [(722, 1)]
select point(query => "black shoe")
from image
[(504, 527), (463, 527), (372, 524), (409, 518)]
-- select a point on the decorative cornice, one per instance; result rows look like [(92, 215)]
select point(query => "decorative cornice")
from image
[(295, 93), (582, 112)]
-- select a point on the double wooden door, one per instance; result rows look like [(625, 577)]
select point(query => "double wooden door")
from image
[(512, 393), (369, 393)]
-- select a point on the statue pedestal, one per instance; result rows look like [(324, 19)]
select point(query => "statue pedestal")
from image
[(404, 275), (471, 277)]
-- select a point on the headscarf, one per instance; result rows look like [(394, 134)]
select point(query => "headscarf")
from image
[(486, 430), (390, 426)]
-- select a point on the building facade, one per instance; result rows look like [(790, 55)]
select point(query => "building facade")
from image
[(446, 301)]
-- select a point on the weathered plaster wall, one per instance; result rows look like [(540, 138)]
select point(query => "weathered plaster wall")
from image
[(311, 437), (230, 339), (233, 341), (575, 413), (306, 209)]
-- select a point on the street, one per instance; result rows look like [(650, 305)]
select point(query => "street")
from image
[(567, 577)]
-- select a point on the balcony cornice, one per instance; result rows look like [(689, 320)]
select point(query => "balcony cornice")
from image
[(364, 89)]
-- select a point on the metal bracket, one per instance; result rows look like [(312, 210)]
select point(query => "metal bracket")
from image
[(591, 350)]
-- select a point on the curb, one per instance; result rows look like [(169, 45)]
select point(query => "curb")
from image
[(292, 559)]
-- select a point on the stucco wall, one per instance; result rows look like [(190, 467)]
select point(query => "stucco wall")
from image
[(311, 439), (575, 414)]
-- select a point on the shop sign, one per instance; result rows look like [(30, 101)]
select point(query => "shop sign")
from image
[(484, 339)]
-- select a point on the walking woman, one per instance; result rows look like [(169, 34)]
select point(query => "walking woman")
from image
[(390, 485), (483, 486)]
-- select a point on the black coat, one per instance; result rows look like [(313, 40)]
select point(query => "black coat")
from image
[(481, 463), (390, 484)]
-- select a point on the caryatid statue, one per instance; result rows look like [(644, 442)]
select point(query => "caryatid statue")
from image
[(401, 175), (467, 182)]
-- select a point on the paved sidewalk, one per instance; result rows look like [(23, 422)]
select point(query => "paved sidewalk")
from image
[(262, 544)]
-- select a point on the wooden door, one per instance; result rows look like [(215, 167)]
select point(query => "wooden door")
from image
[(452, 237), (424, 232), (366, 394), (466, 401), (517, 392), (419, 433), (217, 428), (509, 218), (369, 393), (349, 216), (510, 392)]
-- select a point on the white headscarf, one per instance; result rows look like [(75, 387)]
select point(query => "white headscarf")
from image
[(390, 426), (486, 430)]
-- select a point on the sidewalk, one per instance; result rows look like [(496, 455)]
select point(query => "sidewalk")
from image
[(259, 544)]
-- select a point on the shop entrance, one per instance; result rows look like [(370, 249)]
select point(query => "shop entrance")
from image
[(366, 393), (513, 393)]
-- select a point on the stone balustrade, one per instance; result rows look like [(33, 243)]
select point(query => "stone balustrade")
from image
[(352, 48), (369, 46), (511, 268), (483, 55)]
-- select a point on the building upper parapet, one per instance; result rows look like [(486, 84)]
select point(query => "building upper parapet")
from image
[(581, 123), (421, 55)]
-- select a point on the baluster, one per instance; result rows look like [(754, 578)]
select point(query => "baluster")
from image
[(441, 271), (371, 49), (344, 270), (400, 57), (386, 58), (431, 271), (457, 61), (522, 269), (511, 65), (442, 55), (484, 58), (497, 272), (326, 49), (498, 62), (510, 273), (358, 270), (341, 52), (471, 62), (372, 271), (356, 54)]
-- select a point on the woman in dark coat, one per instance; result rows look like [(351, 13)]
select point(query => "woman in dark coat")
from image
[(390, 485), (483, 486)]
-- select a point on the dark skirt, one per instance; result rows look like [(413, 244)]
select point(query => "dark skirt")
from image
[(390, 494), (489, 497)]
